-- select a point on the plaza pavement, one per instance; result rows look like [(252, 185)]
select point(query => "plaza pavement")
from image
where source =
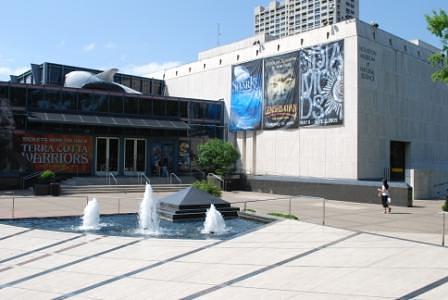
[(360, 254)]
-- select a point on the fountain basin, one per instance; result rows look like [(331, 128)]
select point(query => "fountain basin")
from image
[(127, 225)]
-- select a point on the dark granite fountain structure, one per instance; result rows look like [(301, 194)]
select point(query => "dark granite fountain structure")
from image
[(192, 204)]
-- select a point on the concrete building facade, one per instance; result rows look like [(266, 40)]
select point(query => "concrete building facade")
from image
[(393, 114), (294, 16)]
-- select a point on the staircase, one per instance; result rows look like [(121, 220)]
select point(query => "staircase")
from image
[(126, 184), (121, 188)]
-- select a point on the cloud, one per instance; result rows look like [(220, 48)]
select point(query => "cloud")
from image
[(147, 69), (89, 47), (6, 71), (109, 45)]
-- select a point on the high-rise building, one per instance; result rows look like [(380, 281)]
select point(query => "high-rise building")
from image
[(294, 16)]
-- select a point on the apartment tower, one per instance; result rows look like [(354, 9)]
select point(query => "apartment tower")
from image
[(294, 16)]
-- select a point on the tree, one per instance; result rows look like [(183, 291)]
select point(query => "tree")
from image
[(217, 156), (438, 25)]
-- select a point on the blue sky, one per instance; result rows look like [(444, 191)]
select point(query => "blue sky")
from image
[(139, 36)]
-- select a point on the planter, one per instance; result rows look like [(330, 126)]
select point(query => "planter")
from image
[(55, 188), (41, 189)]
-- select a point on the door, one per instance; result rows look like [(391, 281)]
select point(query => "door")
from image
[(162, 159), (397, 161), (134, 156), (107, 151)]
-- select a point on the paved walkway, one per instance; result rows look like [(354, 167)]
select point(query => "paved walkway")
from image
[(282, 260)]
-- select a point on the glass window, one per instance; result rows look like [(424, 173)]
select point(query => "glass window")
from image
[(17, 96), (3, 91), (172, 108), (159, 107), (68, 101), (183, 106), (37, 99), (136, 84), (194, 110), (146, 87), (214, 112), (126, 81), (54, 99), (93, 103), (146, 107), (116, 104), (131, 105), (156, 88), (55, 74)]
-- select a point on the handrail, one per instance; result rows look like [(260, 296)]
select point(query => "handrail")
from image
[(440, 184), (175, 176), (140, 177), (109, 175), (30, 176), (218, 178)]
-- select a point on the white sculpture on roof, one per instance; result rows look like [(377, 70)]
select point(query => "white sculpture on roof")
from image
[(100, 81)]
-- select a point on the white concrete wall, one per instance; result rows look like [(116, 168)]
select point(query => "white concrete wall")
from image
[(402, 103), (316, 152)]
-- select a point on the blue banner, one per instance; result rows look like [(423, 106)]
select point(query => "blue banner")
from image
[(246, 99)]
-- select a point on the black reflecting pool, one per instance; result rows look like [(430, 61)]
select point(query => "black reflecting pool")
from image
[(127, 225)]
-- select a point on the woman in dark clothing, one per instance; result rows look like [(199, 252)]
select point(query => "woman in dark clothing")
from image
[(384, 192)]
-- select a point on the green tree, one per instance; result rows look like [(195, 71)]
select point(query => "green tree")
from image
[(217, 156), (438, 25)]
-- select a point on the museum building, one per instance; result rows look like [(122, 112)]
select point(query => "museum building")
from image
[(348, 101), (82, 121)]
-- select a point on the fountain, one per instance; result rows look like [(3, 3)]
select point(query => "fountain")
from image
[(91, 217), (148, 218), (214, 222)]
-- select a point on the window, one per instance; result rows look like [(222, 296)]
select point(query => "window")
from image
[(159, 108), (172, 108), (68, 101), (4, 91), (146, 107), (183, 109), (116, 104), (36, 99), (131, 106), (17, 96)]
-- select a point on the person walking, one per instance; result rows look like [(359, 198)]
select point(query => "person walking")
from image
[(384, 193)]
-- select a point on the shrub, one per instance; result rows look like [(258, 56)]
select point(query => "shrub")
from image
[(210, 188), (445, 206), (283, 215), (46, 176), (217, 156)]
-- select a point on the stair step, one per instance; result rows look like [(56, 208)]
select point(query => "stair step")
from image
[(83, 189)]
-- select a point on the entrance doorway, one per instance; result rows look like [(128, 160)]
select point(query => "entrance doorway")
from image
[(397, 161), (107, 150), (162, 159), (134, 156)]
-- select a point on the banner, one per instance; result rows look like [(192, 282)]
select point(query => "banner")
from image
[(57, 152), (246, 99), (322, 85), (280, 91)]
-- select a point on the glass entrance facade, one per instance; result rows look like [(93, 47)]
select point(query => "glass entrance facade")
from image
[(134, 156)]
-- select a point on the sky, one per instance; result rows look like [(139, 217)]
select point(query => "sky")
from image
[(142, 36)]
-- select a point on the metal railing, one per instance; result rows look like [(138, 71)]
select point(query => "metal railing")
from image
[(221, 181), (110, 175), (173, 175), (29, 177), (142, 178)]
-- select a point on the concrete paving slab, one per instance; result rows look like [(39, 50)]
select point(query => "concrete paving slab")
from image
[(25, 294), (235, 293)]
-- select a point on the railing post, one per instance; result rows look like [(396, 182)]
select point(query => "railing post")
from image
[(323, 212), (245, 206), (87, 199), (119, 201), (289, 206), (443, 230), (13, 205)]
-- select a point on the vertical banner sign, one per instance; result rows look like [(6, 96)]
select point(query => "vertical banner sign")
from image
[(58, 152), (322, 85), (246, 99), (281, 91)]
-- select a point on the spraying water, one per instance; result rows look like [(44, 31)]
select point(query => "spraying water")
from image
[(91, 217), (214, 222), (148, 218)]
